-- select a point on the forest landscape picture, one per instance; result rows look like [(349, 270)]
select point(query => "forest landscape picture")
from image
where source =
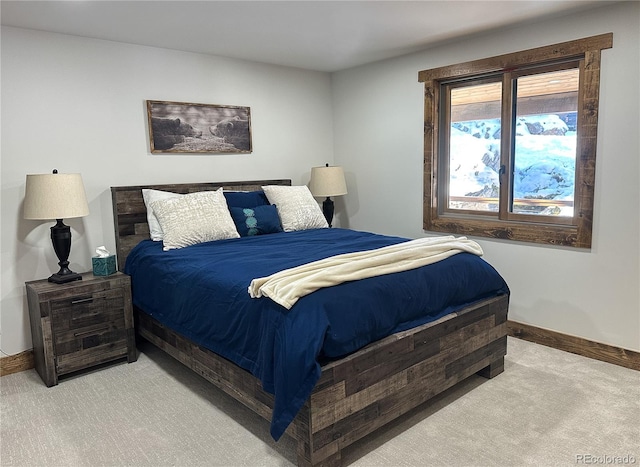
[(186, 128)]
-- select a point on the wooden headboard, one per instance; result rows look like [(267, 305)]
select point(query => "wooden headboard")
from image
[(130, 213)]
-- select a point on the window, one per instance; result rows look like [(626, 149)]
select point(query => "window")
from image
[(510, 144)]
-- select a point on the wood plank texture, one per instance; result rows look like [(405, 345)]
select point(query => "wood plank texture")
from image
[(470, 341), (565, 50), (16, 363)]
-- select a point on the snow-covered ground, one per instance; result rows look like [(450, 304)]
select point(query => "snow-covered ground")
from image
[(544, 158)]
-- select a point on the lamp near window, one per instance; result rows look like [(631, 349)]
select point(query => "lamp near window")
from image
[(57, 196), (327, 181)]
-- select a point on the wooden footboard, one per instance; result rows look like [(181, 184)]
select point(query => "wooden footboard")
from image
[(369, 388)]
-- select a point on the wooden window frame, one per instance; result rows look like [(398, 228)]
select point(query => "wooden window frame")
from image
[(576, 233)]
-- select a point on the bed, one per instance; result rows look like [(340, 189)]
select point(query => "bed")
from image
[(353, 393)]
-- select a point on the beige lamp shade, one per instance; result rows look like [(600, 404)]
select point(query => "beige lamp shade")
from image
[(55, 196), (327, 181)]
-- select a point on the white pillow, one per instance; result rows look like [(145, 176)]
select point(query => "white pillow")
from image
[(149, 197), (297, 208), (194, 218)]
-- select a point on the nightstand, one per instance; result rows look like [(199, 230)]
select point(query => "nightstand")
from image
[(80, 324)]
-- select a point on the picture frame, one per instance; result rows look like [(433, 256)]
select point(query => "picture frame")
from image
[(188, 128)]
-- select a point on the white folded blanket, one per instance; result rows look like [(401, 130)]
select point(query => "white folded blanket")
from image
[(286, 287)]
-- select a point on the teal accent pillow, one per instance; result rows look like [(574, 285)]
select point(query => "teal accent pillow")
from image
[(258, 220)]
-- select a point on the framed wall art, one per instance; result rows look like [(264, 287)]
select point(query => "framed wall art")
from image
[(185, 128)]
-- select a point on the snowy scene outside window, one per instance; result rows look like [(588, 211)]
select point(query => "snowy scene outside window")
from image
[(544, 147), (510, 144)]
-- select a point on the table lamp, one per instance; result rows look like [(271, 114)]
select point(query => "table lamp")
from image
[(327, 181), (57, 196)]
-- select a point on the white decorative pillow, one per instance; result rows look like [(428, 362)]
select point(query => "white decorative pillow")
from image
[(297, 208), (149, 197), (194, 218)]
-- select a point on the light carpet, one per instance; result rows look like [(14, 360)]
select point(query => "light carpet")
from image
[(549, 408)]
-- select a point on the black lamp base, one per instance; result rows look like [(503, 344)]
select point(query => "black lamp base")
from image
[(58, 278), (327, 210), (61, 238)]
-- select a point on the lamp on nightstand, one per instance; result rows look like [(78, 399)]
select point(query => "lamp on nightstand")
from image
[(327, 181), (57, 196)]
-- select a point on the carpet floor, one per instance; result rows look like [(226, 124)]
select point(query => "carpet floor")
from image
[(548, 408)]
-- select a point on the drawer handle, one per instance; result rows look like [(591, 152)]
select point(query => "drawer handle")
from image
[(93, 331), (82, 300)]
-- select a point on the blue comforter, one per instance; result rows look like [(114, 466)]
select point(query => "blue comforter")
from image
[(201, 292)]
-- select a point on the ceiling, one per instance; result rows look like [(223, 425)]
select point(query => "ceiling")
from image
[(316, 35)]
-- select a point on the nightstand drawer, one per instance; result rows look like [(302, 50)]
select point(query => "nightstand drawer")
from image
[(88, 329), (84, 311), (90, 350), (88, 337)]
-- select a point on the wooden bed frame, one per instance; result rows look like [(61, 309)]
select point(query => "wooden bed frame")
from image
[(356, 394)]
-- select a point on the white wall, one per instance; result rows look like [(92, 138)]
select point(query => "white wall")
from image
[(378, 117), (78, 105)]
